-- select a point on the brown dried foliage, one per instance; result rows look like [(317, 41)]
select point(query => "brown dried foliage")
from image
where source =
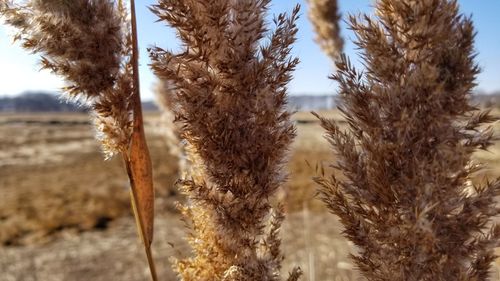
[(87, 42), (325, 17), (406, 157), (230, 101)]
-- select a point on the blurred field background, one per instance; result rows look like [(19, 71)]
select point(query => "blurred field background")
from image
[(65, 214)]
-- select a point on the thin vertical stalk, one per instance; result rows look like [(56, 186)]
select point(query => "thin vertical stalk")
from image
[(306, 216), (140, 224), (138, 130)]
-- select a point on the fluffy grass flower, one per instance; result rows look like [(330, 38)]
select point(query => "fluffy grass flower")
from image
[(405, 198), (230, 102), (86, 43), (325, 17)]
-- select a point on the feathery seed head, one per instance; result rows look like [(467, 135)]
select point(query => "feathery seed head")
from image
[(406, 155), (325, 18), (165, 95), (86, 42), (81, 41), (230, 100)]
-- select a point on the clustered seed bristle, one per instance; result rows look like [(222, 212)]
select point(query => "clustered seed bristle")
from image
[(325, 18), (87, 43), (164, 92), (230, 99), (405, 199)]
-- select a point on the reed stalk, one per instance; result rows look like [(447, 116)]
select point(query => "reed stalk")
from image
[(139, 167)]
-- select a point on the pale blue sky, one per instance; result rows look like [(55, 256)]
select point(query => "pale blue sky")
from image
[(19, 70)]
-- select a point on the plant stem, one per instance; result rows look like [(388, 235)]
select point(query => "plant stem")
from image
[(138, 218), (138, 126)]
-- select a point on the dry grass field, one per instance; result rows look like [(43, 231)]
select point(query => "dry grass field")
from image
[(65, 214)]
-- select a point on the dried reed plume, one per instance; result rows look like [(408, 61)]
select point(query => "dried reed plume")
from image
[(93, 46), (325, 18), (83, 42), (230, 101), (406, 157), (164, 92)]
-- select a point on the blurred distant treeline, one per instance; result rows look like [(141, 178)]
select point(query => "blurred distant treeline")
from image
[(48, 102), (37, 102)]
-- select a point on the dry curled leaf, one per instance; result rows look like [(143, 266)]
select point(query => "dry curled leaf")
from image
[(142, 173)]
